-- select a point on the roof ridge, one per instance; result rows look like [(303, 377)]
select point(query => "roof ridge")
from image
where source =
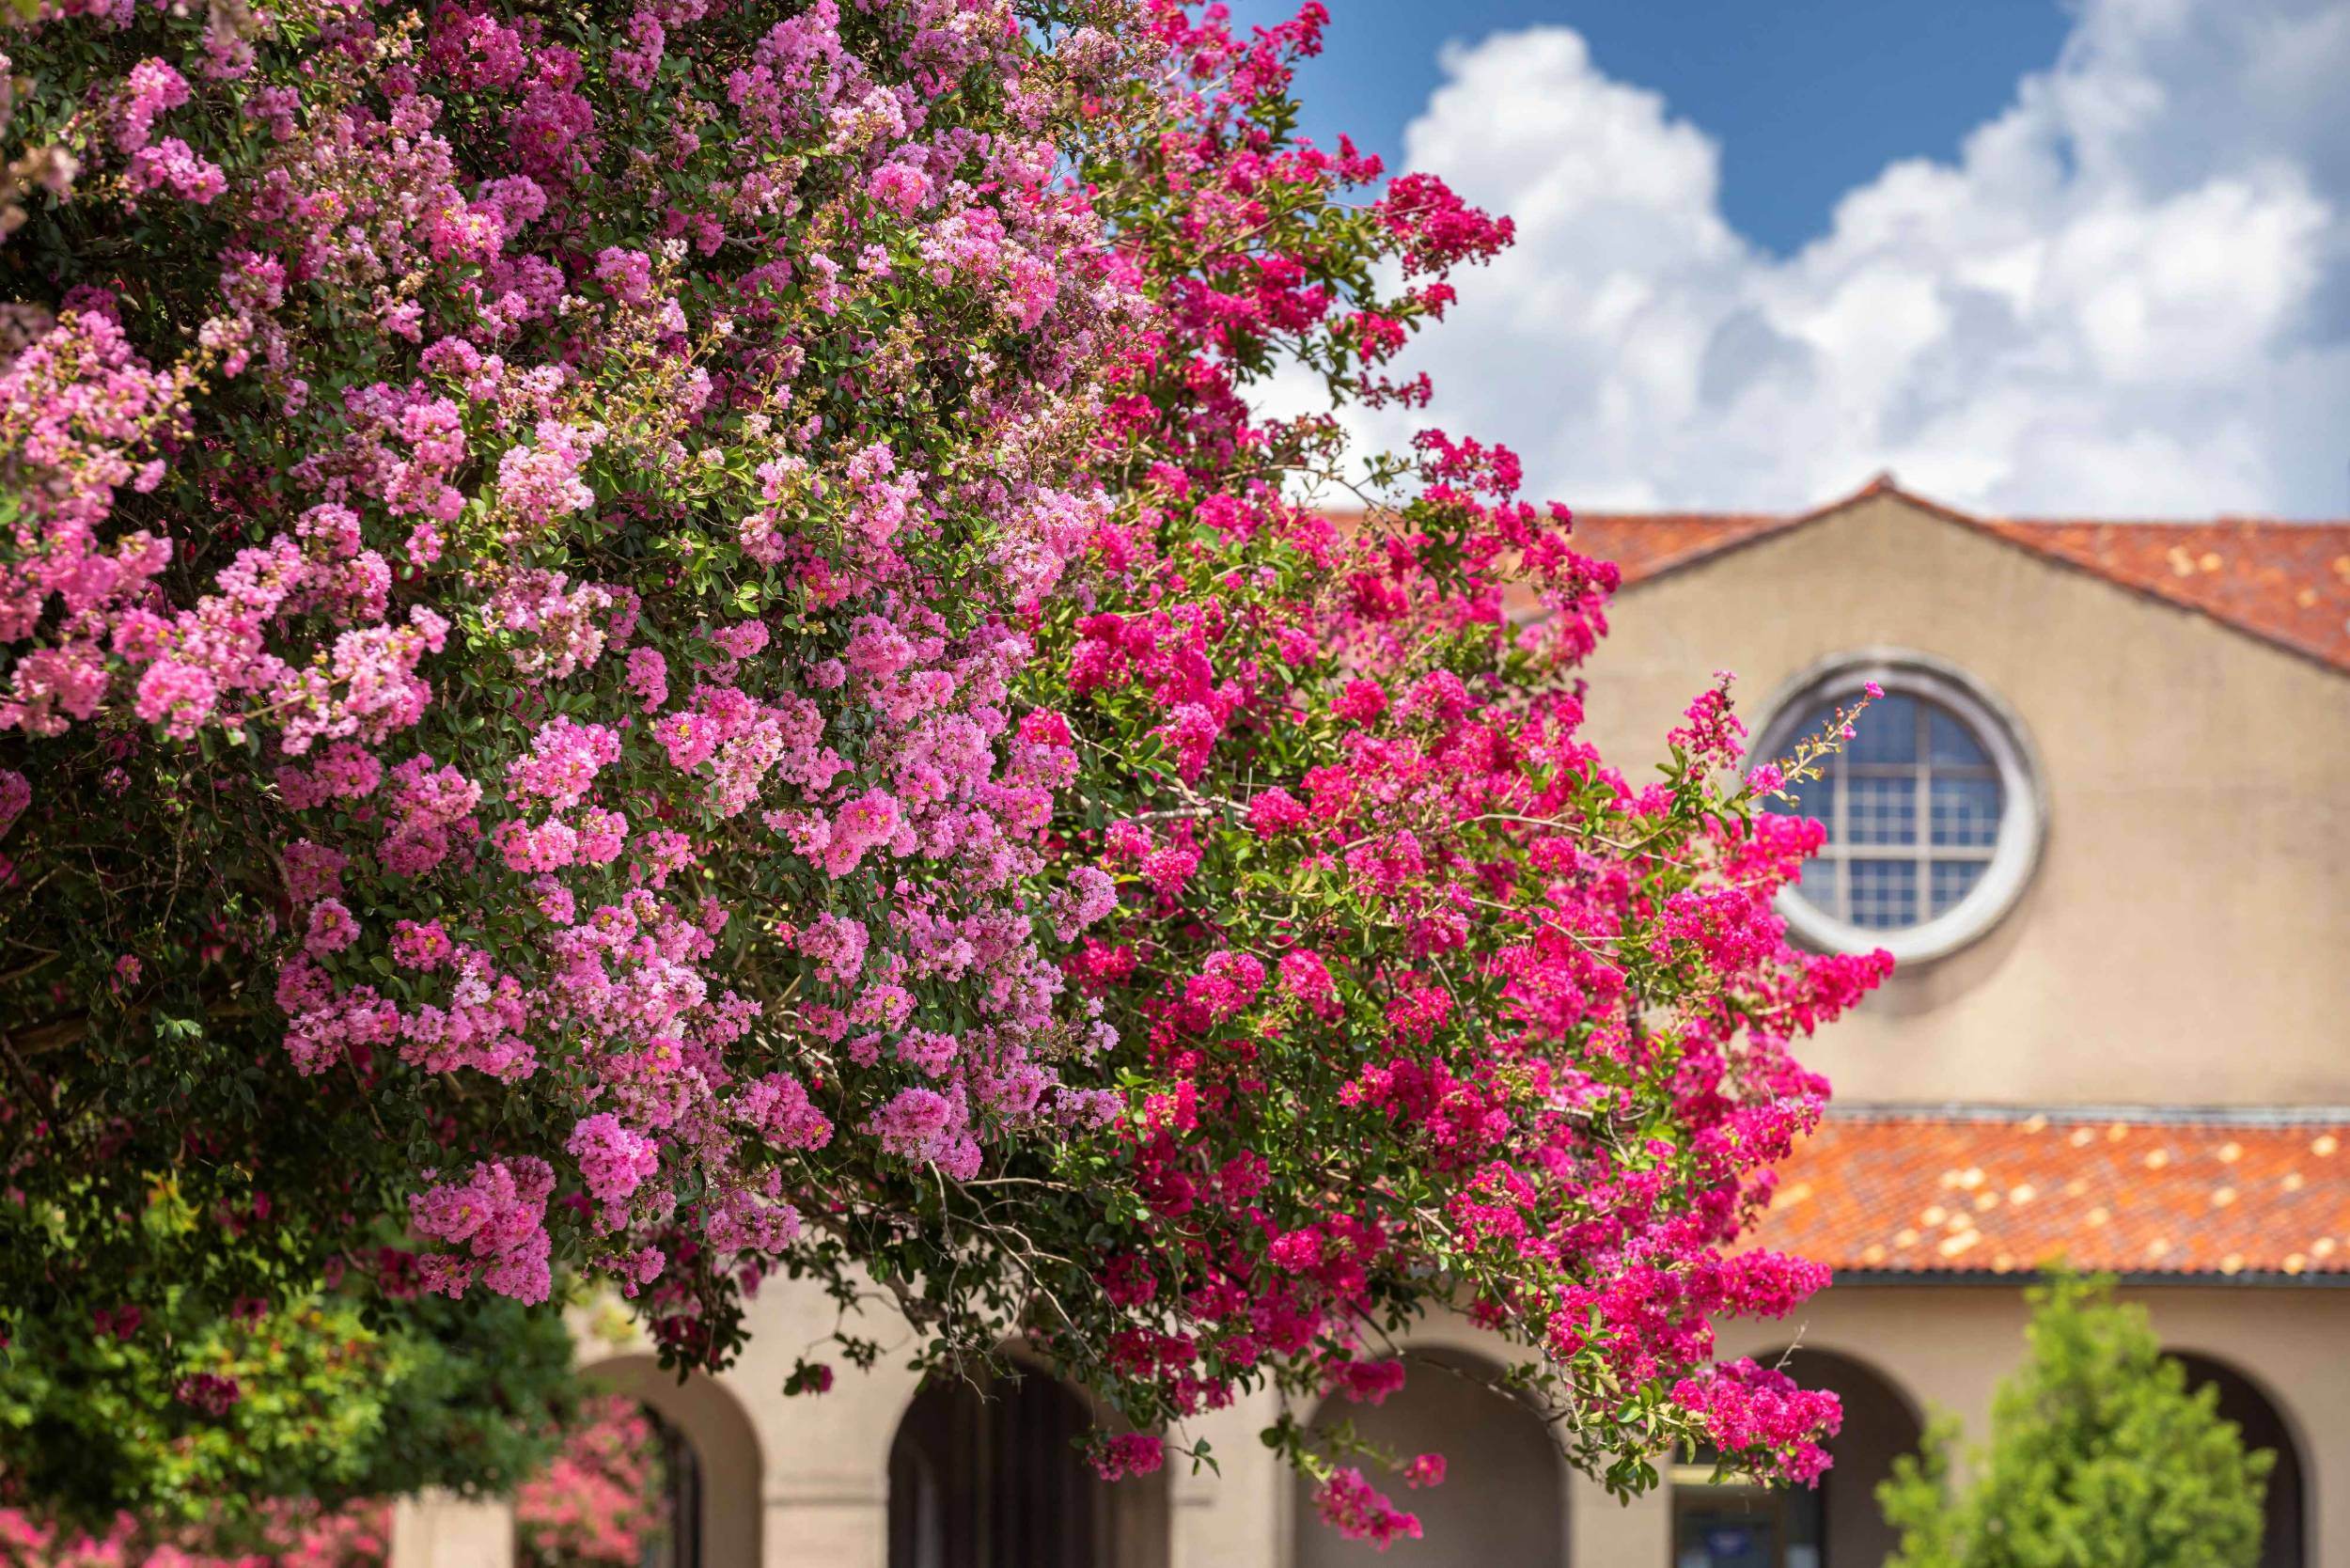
[(2283, 581)]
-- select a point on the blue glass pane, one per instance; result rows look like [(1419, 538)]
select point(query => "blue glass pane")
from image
[(1948, 741), (1967, 811), (1887, 732), (1953, 880), (1884, 893), (1818, 885), (1881, 811)]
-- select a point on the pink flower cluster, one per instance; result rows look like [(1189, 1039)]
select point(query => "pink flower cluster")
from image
[(444, 564), (1356, 1510), (1746, 1407), (498, 1219), (1366, 847)]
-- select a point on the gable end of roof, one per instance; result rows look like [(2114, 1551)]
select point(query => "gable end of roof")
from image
[(2284, 583)]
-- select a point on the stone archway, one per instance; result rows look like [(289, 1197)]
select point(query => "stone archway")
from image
[(1503, 1500), (989, 1475), (1836, 1524), (718, 1468), (2285, 1540)]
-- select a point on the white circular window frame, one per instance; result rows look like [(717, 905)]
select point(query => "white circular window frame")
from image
[(2023, 805)]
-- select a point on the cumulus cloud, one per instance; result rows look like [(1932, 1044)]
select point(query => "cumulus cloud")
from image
[(2129, 295)]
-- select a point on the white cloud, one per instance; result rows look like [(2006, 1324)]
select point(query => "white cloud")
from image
[(2131, 294)]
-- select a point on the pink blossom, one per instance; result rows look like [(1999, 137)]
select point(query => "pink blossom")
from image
[(613, 1161), (208, 1392), (154, 88), (172, 165), (1361, 701), (1350, 1506), (1130, 1453), (899, 187), (330, 928)]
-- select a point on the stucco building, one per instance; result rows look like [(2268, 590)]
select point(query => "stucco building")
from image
[(2103, 814)]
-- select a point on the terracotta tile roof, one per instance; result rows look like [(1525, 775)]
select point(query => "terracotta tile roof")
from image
[(2287, 583), (1646, 544), (1892, 1192)]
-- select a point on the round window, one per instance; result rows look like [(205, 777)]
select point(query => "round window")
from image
[(1932, 808)]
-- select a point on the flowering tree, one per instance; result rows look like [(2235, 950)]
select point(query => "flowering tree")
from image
[(604, 1497), (662, 638)]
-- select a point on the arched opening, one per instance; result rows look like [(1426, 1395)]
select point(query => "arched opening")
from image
[(1503, 1500), (681, 1491), (991, 1476), (625, 1492), (689, 1454), (2283, 1539), (1835, 1525)]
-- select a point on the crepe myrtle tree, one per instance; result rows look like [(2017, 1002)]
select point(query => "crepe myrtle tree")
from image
[(662, 642)]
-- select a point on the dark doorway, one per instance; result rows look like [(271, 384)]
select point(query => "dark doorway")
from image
[(1835, 1525), (682, 1484), (2263, 1427), (992, 1477)]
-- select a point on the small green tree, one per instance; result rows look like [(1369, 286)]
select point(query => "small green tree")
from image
[(2100, 1457)]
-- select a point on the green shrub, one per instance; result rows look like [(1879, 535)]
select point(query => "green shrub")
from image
[(2100, 1457)]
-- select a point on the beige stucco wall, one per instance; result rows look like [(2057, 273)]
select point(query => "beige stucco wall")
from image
[(441, 1530), (2182, 939)]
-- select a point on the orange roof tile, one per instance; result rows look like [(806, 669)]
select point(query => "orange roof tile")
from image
[(1646, 544), (2287, 583), (1894, 1193)]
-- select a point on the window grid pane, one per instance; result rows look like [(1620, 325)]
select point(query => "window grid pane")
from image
[(1883, 811), (1884, 894), (1951, 743), (1952, 881), (1821, 877), (1913, 806), (1966, 812), (1887, 732)]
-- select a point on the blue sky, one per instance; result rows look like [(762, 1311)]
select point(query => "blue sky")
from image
[(1807, 98), (2084, 258)]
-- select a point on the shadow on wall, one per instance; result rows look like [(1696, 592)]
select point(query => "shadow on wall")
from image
[(1503, 1501)]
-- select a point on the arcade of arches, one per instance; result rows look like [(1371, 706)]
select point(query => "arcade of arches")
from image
[(887, 1472)]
